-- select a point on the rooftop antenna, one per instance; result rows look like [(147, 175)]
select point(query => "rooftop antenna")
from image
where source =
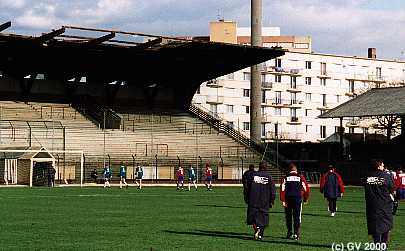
[(220, 18)]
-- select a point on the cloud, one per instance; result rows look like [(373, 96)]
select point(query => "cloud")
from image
[(340, 27), (12, 4)]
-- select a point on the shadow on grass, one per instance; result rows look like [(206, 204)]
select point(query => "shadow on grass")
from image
[(244, 236), (219, 206), (323, 214)]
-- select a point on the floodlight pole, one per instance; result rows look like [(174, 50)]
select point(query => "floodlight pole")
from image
[(255, 73)]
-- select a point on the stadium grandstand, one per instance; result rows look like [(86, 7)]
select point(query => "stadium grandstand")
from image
[(119, 96)]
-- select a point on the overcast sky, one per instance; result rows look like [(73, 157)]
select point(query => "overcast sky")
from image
[(336, 26)]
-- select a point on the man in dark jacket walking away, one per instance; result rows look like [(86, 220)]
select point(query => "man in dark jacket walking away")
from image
[(378, 187), (332, 187), (261, 192), (245, 178), (293, 190)]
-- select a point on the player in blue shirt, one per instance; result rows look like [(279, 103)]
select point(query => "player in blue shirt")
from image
[(107, 176), (191, 178), (123, 175), (139, 176)]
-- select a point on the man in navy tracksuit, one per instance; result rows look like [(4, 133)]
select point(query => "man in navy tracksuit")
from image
[(261, 192), (332, 187), (378, 188), (293, 190), (245, 178)]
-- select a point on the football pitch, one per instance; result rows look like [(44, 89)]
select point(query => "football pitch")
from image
[(158, 218)]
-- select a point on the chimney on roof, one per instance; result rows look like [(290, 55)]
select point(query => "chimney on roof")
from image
[(372, 53)]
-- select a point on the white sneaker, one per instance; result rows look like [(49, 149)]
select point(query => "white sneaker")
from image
[(332, 214), (256, 236)]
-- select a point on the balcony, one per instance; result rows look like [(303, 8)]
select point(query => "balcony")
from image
[(366, 78), (294, 88), (276, 102), (294, 121), (284, 71), (212, 99), (283, 136), (323, 74), (215, 83), (267, 85), (296, 103)]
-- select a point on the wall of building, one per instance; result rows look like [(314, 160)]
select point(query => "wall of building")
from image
[(297, 90), (223, 31)]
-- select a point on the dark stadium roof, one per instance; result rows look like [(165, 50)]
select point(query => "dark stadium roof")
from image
[(376, 102), (108, 55)]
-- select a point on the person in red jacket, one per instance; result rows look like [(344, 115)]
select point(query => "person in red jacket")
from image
[(399, 189), (208, 175), (180, 178), (332, 187), (294, 190)]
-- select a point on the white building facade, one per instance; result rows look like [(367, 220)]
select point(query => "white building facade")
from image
[(297, 88)]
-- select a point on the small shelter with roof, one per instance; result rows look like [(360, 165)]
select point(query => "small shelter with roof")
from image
[(375, 102), (26, 166)]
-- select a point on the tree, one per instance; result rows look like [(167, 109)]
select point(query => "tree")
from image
[(390, 123)]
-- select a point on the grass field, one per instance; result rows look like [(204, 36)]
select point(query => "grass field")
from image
[(164, 219)]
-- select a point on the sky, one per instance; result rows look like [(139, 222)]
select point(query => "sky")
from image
[(341, 27)]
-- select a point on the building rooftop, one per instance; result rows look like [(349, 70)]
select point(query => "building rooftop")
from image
[(376, 102)]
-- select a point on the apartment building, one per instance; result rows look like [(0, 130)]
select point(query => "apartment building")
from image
[(296, 89)]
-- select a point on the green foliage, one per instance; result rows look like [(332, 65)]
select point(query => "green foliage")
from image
[(166, 219)]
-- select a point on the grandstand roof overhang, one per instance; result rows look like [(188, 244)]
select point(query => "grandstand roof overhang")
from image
[(375, 102), (140, 59)]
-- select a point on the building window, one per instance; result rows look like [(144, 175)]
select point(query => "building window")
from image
[(214, 109), (294, 98), (351, 86), (231, 76), (337, 99), (323, 97), (378, 72), (308, 80), (337, 129), (263, 111), (229, 108), (277, 78), (246, 93), (308, 65), (263, 96), (307, 112), (308, 97), (323, 132), (246, 76), (247, 109), (278, 62), (293, 113), (278, 97), (246, 126), (276, 127), (323, 68), (293, 82), (263, 76), (263, 129), (277, 111), (323, 81), (307, 128)]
